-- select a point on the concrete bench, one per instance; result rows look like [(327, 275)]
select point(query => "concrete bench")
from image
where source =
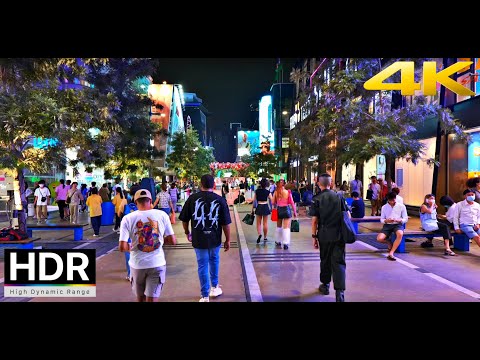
[(19, 244), (365, 219), (460, 241), (77, 228)]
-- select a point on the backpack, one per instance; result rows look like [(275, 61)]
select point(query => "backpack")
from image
[(295, 197), (308, 198), (347, 231), (129, 208)]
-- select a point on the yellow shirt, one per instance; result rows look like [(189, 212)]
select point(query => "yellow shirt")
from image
[(94, 203), (119, 204)]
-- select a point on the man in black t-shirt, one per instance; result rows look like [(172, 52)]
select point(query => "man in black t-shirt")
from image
[(209, 215), (326, 213), (224, 189)]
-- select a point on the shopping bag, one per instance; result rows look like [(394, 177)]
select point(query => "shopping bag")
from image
[(274, 215), (248, 219), (295, 226), (172, 218)]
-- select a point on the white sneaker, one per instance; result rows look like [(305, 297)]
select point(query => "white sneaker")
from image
[(215, 291), (204, 299)]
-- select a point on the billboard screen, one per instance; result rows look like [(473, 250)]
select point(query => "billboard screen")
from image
[(161, 96), (381, 167), (267, 134), (160, 111), (248, 142), (474, 156), (176, 117)]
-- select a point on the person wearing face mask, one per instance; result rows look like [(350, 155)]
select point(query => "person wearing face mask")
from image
[(474, 185), (450, 206), (467, 217), (42, 198), (428, 218)]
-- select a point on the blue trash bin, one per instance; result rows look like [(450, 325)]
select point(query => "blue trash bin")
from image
[(108, 213)]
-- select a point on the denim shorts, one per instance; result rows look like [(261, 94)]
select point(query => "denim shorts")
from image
[(468, 230)]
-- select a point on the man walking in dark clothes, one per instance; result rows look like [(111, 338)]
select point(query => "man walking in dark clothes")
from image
[(326, 213)]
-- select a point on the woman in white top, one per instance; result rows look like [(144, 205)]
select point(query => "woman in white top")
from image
[(428, 218)]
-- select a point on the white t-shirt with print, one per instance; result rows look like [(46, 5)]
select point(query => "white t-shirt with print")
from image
[(42, 193), (146, 229)]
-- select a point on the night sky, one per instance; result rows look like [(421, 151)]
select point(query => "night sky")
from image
[(227, 87)]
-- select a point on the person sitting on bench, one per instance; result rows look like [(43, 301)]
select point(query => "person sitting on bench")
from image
[(428, 218), (393, 216), (467, 217), (358, 206), (451, 207)]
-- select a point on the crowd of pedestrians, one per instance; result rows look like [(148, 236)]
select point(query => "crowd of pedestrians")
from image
[(206, 218)]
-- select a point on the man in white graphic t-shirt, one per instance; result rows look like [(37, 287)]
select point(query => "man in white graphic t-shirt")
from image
[(148, 229)]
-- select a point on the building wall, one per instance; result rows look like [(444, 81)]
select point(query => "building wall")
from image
[(369, 169), (417, 179)]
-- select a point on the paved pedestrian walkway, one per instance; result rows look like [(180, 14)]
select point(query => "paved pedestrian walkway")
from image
[(264, 272), (418, 275), (182, 284)]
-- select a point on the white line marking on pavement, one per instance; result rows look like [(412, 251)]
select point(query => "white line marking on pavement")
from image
[(82, 245), (253, 287), (406, 263), (403, 262), (454, 286), (368, 246), (108, 252), (430, 275)]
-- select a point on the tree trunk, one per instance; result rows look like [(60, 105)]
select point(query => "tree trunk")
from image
[(20, 200), (359, 170)]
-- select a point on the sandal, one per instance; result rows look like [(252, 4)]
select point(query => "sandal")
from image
[(391, 258), (449, 252)]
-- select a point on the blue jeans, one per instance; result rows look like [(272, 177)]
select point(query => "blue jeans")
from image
[(127, 259), (167, 210), (208, 260)]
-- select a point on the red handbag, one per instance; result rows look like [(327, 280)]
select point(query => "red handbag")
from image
[(274, 214)]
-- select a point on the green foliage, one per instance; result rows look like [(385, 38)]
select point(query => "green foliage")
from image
[(261, 165), (189, 158), (35, 103), (342, 128), (128, 148)]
